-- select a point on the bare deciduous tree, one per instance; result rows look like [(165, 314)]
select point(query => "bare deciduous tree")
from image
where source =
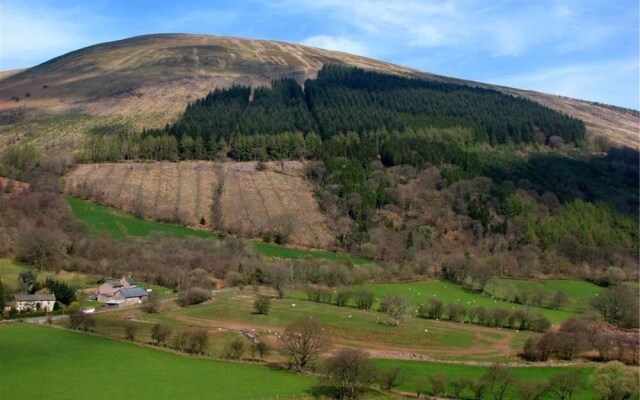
[(391, 378), (351, 372), (303, 341), (160, 334), (278, 276), (565, 384), (130, 330), (498, 379)]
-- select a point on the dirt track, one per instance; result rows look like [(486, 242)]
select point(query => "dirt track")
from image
[(487, 346)]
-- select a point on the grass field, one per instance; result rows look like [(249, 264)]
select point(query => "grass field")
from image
[(579, 292), (102, 219), (420, 292), (355, 328), (45, 363), (10, 269), (414, 370)]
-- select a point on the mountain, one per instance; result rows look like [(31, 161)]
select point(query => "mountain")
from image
[(148, 80)]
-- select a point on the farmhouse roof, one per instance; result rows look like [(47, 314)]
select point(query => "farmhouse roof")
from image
[(114, 283), (34, 297), (133, 292), (129, 280)]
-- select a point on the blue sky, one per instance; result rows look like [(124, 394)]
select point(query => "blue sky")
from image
[(586, 49)]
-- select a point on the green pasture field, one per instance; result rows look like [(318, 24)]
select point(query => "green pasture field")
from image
[(579, 292), (414, 370), (357, 328), (447, 292), (47, 363), (10, 269), (101, 219)]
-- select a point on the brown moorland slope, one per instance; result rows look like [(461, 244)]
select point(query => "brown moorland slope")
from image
[(225, 197), (148, 80)]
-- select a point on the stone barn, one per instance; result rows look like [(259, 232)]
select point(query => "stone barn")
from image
[(129, 297)]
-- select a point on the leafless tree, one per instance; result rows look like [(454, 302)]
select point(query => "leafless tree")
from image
[(391, 377), (438, 384), (234, 349), (130, 330), (303, 341), (160, 334), (531, 390), (42, 248), (351, 372), (278, 277), (198, 341), (565, 384), (498, 379)]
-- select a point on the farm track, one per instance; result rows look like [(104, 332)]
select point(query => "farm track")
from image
[(494, 348)]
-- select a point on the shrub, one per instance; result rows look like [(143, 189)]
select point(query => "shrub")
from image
[(152, 305), (160, 334), (234, 349), (130, 330), (539, 323), (391, 378), (364, 299), (343, 297), (261, 304), (197, 341), (456, 312), (261, 348), (319, 295), (395, 306), (193, 296)]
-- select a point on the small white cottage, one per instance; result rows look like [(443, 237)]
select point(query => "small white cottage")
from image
[(34, 302)]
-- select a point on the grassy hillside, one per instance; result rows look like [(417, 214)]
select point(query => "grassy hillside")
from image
[(75, 366), (160, 74), (369, 330), (10, 269), (102, 219)]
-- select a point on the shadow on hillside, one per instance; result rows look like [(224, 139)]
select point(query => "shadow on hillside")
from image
[(611, 178)]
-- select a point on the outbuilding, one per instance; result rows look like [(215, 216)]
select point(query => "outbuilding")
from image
[(130, 296)]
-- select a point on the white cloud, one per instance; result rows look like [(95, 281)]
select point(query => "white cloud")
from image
[(29, 34), (338, 43), (606, 82), (497, 27)]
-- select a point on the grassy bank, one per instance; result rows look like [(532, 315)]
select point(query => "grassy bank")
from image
[(101, 219)]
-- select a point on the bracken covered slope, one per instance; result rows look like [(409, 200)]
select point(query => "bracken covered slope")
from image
[(152, 78)]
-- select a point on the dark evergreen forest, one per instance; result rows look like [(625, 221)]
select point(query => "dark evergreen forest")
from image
[(515, 174), (344, 99)]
